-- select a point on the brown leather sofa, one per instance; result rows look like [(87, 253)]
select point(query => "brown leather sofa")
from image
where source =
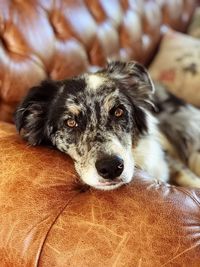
[(46, 218)]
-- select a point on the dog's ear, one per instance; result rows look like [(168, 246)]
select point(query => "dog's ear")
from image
[(31, 114), (135, 79)]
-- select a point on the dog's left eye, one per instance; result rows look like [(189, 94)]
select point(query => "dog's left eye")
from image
[(119, 112)]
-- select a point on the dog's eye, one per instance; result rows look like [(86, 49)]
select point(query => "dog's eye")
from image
[(71, 123), (118, 112)]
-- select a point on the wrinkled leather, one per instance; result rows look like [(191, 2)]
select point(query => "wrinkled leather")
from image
[(47, 220), (62, 38)]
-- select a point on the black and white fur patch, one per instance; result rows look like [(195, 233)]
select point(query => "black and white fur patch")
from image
[(104, 121)]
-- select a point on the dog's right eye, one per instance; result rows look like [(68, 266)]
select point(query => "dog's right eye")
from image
[(71, 123)]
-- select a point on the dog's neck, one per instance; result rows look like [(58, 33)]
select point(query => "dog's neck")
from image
[(148, 153)]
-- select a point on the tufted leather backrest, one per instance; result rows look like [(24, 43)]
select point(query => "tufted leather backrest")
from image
[(62, 38)]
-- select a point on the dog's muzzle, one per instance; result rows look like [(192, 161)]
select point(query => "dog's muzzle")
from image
[(110, 167)]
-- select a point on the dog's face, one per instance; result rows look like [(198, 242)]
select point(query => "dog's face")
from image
[(95, 118)]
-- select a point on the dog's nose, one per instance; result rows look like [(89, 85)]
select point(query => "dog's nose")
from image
[(110, 167)]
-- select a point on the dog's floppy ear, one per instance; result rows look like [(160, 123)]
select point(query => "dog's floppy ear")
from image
[(134, 78), (31, 114)]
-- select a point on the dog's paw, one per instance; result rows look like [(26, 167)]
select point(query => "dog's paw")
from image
[(194, 162), (181, 174), (185, 177)]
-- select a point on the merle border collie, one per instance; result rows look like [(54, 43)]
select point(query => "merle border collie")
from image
[(113, 122)]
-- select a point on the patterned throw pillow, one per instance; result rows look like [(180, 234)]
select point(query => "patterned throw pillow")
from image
[(177, 65), (194, 27)]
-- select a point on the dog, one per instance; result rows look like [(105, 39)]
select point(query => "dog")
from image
[(113, 122)]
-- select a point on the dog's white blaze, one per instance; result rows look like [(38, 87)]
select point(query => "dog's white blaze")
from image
[(94, 81)]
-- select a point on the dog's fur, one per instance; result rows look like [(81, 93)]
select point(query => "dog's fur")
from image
[(91, 100)]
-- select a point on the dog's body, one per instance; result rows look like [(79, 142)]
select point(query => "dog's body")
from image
[(104, 121)]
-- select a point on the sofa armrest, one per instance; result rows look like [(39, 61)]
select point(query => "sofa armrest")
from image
[(48, 218)]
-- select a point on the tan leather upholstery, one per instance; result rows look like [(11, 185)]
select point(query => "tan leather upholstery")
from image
[(47, 218), (47, 221), (58, 39)]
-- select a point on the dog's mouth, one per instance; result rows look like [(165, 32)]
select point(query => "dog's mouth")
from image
[(108, 185)]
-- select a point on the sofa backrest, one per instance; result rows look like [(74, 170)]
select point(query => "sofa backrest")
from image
[(58, 39)]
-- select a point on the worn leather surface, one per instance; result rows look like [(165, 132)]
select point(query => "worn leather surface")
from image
[(35, 186), (47, 221), (62, 38)]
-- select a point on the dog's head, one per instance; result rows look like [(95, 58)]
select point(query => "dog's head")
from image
[(96, 118)]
